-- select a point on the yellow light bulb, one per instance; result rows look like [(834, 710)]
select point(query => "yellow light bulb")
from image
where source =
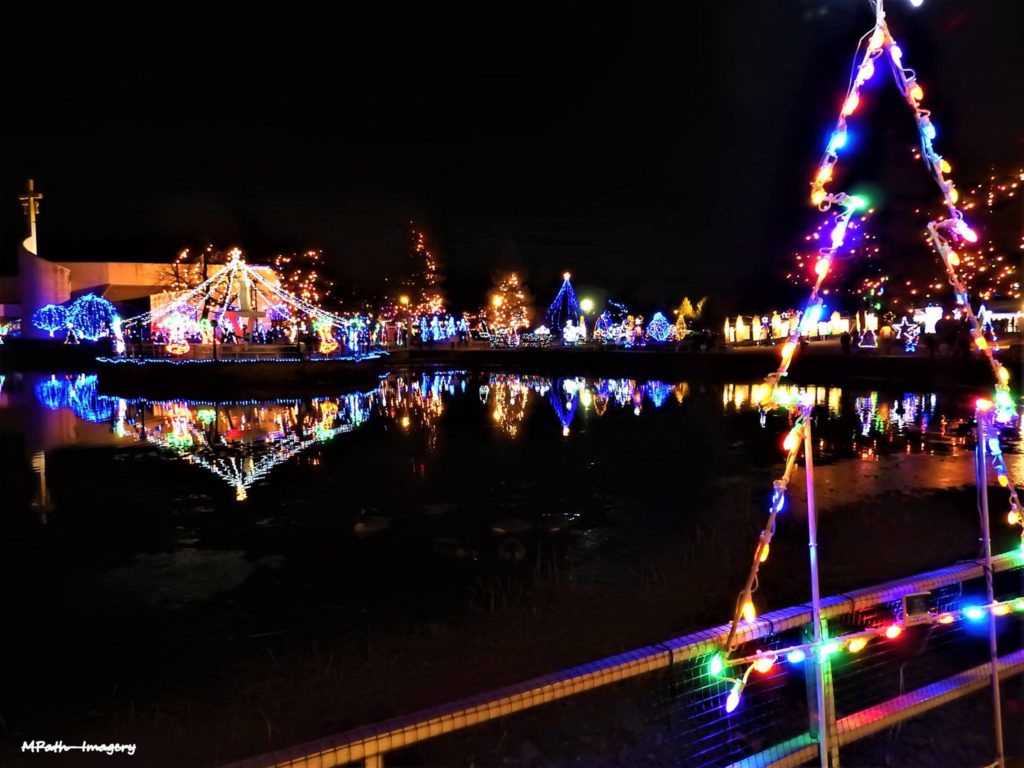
[(857, 644), (764, 551), (1013, 517), (749, 612), (944, 166), (821, 268), (1003, 481), (953, 195), (1001, 610), (982, 344), (916, 92), (824, 174), (764, 664), (953, 259), (787, 350), (817, 196)]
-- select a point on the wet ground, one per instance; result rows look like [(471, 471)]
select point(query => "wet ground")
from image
[(213, 580)]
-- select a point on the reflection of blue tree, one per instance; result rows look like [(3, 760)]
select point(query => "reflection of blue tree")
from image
[(657, 392), (79, 394), (563, 308), (564, 399), (52, 393)]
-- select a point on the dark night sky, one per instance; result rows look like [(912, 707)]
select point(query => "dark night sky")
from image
[(653, 155)]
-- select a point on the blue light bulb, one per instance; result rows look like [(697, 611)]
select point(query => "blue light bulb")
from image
[(974, 613), (837, 142)]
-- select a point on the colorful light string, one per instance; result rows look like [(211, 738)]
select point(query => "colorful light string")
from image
[(765, 660)]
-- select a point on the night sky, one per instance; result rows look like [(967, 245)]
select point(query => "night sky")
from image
[(652, 155)]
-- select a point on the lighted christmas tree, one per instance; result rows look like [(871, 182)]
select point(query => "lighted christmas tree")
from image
[(989, 267), (882, 280), (508, 305), (304, 275), (192, 266), (564, 309), (50, 318), (423, 286), (659, 328), (688, 311)]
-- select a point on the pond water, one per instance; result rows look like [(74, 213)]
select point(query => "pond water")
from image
[(162, 547)]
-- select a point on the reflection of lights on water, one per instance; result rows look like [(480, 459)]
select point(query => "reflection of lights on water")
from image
[(243, 442)]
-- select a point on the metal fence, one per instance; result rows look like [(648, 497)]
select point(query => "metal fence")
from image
[(658, 705)]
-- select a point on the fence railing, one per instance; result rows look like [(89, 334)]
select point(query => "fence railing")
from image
[(864, 707)]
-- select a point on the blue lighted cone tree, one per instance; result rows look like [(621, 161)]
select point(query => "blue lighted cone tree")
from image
[(564, 308)]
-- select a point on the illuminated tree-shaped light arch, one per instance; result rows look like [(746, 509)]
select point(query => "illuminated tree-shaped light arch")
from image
[(878, 48)]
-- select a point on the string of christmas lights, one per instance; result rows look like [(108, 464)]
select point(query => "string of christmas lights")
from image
[(764, 661)]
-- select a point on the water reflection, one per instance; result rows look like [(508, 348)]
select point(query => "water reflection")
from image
[(241, 442)]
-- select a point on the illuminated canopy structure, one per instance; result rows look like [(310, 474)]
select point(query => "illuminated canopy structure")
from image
[(253, 301)]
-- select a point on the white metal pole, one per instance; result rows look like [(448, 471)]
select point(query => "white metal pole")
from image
[(986, 536), (812, 546)]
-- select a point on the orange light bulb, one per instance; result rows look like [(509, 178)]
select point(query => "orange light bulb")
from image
[(893, 631), (792, 440), (851, 104), (916, 92)]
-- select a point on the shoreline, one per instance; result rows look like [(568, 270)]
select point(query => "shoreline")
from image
[(817, 362)]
